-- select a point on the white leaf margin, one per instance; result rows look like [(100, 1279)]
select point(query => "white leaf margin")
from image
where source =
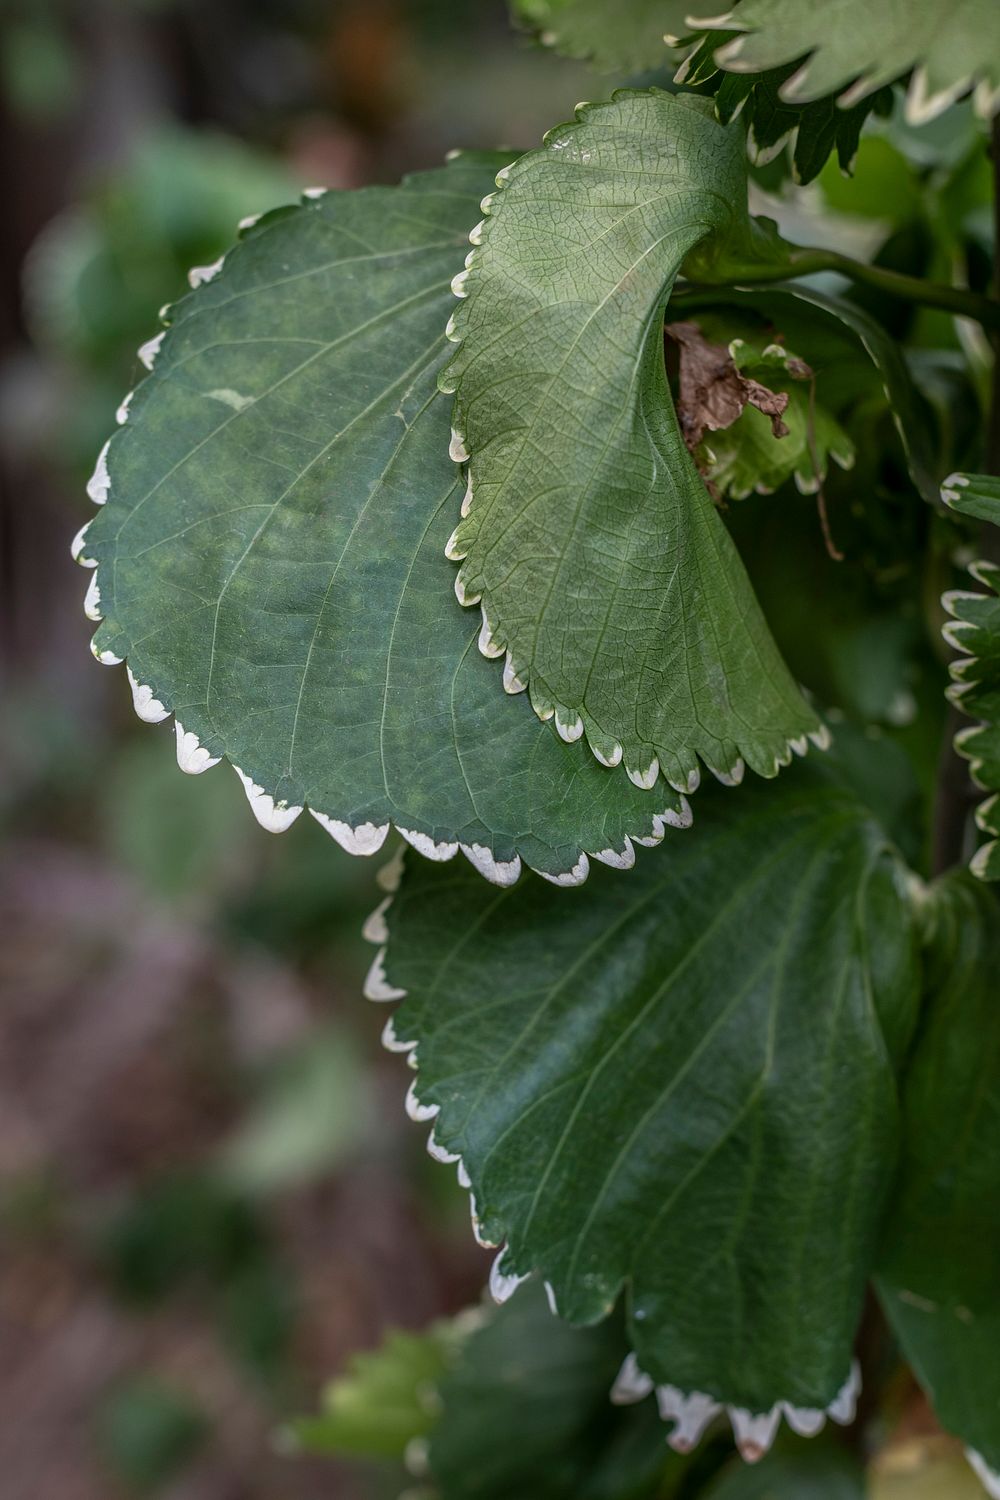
[(276, 816), (690, 1412)]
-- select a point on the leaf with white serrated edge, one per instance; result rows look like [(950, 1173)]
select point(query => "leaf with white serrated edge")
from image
[(939, 1268), (645, 1086), (974, 632), (853, 47), (632, 36), (601, 563), (269, 558)]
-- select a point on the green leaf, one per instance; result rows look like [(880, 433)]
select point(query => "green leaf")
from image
[(828, 332), (682, 1084), (974, 631), (525, 1411), (853, 47), (630, 36), (603, 568), (388, 1398), (801, 1471), (270, 557), (939, 1268)]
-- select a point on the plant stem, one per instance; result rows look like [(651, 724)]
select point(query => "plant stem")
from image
[(957, 300)]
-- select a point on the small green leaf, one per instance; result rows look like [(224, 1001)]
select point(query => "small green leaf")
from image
[(682, 1084), (853, 47), (630, 36), (603, 567), (525, 1412), (939, 1268), (270, 559), (974, 631), (387, 1398)]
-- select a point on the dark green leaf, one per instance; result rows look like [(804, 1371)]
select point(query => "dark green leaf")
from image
[(939, 1269), (682, 1084), (604, 569), (270, 557), (800, 1471)]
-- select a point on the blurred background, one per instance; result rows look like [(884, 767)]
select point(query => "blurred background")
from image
[(209, 1192)]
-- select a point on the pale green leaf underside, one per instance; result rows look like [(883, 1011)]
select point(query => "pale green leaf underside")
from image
[(612, 37), (271, 555), (939, 1269), (682, 1084), (603, 567), (974, 631), (860, 45)]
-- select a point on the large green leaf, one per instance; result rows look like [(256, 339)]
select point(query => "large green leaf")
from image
[(682, 1084), (940, 1263), (603, 568), (630, 36), (974, 630), (270, 557), (860, 45)]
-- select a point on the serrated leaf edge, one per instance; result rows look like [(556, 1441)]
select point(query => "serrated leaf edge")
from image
[(516, 677), (690, 1412)]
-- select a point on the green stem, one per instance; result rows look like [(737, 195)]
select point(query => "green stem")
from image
[(953, 299)]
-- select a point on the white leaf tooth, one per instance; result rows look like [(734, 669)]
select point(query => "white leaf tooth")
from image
[(631, 1383), (376, 986), (476, 234), (486, 204), (477, 1228), (843, 1408), (469, 259), (681, 817), (428, 847), (503, 1284), (146, 704), (613, 758), (464, 1180), (457, 451), (511, 682), (391, 1042), (77, 550), (376, 928), (922, 106), (622, 859), (453, 154), (954, 597), (803, 1420), (954, 631), (192, 757), (366, 838), (550, 1297), (985, 811), (202, 275), (99, 483), (315, 192), (449, 331), (754, 1434), (148, 351), (459, 284), (989, 1478), (92, 599), (248, 222), (691, 1414), (389, 875), (576, 876), (440, 1153), (799, 746), (467, 501), (821, 737), (568, 729), (488, 647), (733, 776), (273, 816), (646, 778), (502, 176), (418, 1112), (121, 415), (106, 658), (452, 551), (496, 871), (980, 862)]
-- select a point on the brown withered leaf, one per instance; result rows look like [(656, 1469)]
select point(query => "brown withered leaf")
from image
[(713, 392)]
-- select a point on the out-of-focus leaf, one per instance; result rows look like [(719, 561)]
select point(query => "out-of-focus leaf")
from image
[(628, 36), (810, 1469), (147, 1431)]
